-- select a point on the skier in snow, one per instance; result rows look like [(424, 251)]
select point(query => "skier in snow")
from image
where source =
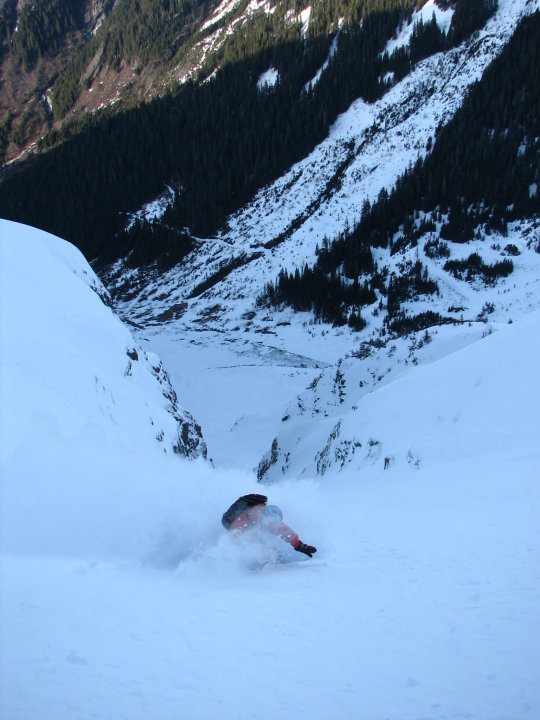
[(251, 512)]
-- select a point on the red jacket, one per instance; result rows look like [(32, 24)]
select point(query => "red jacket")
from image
[(252, 518)]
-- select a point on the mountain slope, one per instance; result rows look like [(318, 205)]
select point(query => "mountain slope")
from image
[(214, 143), (368, 148), (465, 287), (72, 374), (82, 57), (37, 41), (410, 462)]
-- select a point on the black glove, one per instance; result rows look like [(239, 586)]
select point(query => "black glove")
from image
[(306, 549)]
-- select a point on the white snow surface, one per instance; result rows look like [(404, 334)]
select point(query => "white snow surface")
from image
[(305, 17), (123, 597), (155, 209), (70, 369), (226, 7)]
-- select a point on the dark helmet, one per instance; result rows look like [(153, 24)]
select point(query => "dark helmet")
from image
[(272, 514)]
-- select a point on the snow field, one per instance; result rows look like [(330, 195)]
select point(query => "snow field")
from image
[(123, 597), (427, 606)]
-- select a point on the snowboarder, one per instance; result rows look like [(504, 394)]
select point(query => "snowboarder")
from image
[(251, 512)]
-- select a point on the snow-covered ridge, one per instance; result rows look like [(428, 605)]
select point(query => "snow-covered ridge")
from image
[(71, 372)]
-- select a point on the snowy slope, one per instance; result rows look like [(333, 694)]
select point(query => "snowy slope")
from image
[(368, 147), (69, 368), (125, 598)]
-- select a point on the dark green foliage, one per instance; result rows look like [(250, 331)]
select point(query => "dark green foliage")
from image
[(146, 30), (346, 251), (41, 27), (469, 15), (460, 225), (66, 88), (8, 20), (5, 130), (399, 63), (474, 267), (436, 249), (408, 286), (404, 324), (511, 249), (426, 40), (28, 124), (356, 322), (331, 297)]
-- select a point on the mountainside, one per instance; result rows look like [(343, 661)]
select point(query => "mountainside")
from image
[(369, 147), (37, 41), (327, 266), (212, 143), (395, 224), (65, 60), (71, 373)]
